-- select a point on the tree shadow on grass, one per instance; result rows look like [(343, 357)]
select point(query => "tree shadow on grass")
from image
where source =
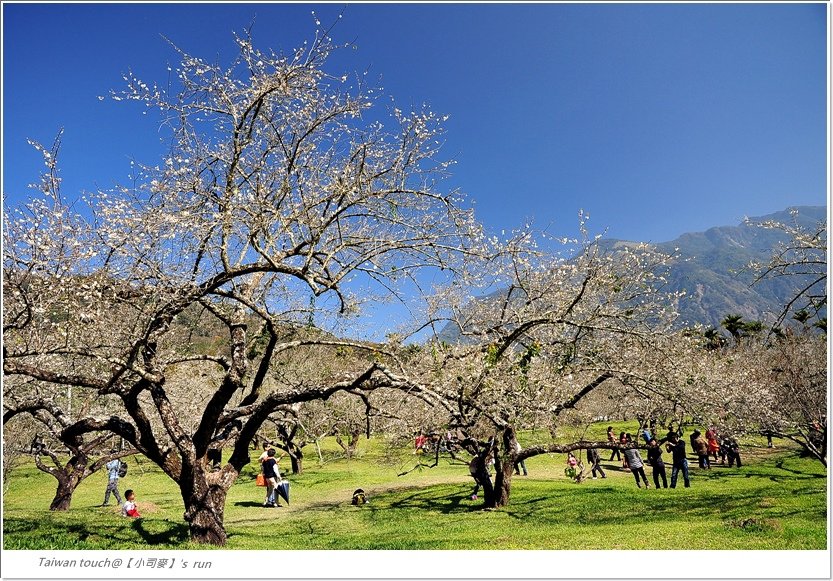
[(798, 474), (95, 535), (453, 503), (171, 534)]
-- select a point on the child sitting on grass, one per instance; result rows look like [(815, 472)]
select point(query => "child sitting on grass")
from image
[(129, 506)]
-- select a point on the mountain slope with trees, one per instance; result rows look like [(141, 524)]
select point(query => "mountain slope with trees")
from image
[(712, 268)]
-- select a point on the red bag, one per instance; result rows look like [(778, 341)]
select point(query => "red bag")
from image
[(261, 480)]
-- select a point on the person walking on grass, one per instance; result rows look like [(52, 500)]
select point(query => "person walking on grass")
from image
[(520, 464), (611, 437), (680, 463), (595, 462), (271, 474), (655, 460), (636, 465), (112, 467)]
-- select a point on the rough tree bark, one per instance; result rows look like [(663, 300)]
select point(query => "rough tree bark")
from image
[(505, 455)]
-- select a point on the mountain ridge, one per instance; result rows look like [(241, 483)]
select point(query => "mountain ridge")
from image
[(712, 269)]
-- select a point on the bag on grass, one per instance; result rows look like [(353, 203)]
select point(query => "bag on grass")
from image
[(359, 497), (261, 480)]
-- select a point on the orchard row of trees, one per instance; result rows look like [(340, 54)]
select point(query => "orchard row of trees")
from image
[(177, 313)]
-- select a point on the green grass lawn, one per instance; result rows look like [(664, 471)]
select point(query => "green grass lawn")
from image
[(776, 501)]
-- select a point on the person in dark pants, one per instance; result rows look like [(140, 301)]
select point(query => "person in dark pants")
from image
[(594, 460), (520, 464), (655, 460), (734, 453), (635, 464), (700, 446), (623, 442), (611, 437), (112, 480), (680, 462), (724, 449)]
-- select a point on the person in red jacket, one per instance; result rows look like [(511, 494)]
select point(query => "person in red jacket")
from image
[(714, 445)]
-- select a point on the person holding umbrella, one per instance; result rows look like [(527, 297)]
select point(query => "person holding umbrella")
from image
[(271, 474)]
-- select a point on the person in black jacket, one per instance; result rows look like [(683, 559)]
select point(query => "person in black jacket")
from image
[(655, 460), (680, 462), (594, 460), (272, 475), (733, 452)]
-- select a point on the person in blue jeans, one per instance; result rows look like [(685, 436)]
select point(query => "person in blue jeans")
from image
[(677, 449), (112, 481)]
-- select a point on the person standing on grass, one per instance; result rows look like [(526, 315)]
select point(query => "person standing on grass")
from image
[(636, 466), (714, 444), (112, 480), (623, 441), (680, 462), (734, 453), (701, 448), (724, 449), (271, 474), (655, 460), (611, 437), (519, 465), (595, 462)]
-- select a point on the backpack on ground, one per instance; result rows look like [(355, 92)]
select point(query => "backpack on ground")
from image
[(359, 497), (122, 469)]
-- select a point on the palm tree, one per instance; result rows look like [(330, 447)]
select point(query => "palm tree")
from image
[(802, 316), (714, 340), (753, 327), (734, 324)]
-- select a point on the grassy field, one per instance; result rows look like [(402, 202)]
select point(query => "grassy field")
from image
[(776, 501)]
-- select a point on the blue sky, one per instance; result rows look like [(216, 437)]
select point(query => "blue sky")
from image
[(655, 119)]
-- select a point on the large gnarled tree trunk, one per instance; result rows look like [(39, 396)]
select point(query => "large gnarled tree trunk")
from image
[(204, 495), (504, 468), (67, 483)]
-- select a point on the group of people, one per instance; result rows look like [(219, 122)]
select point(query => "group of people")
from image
[(128, 506), (703, 445), (708, 446)]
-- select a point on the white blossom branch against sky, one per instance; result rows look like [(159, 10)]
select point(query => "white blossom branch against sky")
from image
[(654, 119)]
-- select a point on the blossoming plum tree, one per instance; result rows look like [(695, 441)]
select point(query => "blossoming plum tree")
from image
[(280, 186)]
